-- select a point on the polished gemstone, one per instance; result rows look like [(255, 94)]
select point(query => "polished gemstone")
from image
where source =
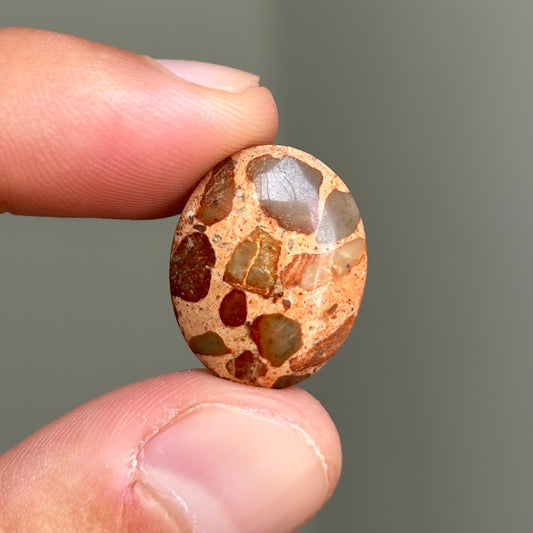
[(209, 343), (247, 366), (288, 191), (268, 266), (233, 308), (217, 199), (277, 337), (339, 219), (254, 263), (190, 267)]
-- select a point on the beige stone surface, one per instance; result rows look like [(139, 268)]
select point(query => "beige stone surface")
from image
[(321, 292)]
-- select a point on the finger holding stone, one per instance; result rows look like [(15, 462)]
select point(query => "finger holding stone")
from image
[(92, 130)]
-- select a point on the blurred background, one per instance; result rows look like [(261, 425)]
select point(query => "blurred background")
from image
[(425, 109)]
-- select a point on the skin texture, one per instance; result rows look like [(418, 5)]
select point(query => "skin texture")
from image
[(89, 130)]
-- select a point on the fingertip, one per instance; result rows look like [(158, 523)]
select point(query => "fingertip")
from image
[(91, 130), (187, 451), (227, 467)]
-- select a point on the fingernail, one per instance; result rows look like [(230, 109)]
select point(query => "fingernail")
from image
[(210, 75), (221, 468)]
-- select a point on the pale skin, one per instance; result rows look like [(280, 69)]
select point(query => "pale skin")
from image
[(89, 130)]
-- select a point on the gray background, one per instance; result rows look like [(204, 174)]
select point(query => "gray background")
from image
[(425, 108)]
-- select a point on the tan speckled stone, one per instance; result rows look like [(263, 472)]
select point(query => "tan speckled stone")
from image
[(292, 243)]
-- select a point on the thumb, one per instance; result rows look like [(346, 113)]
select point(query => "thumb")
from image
[(183, 452)]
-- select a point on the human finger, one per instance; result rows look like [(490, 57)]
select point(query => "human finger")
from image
[(91, 130), (182, 452)]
